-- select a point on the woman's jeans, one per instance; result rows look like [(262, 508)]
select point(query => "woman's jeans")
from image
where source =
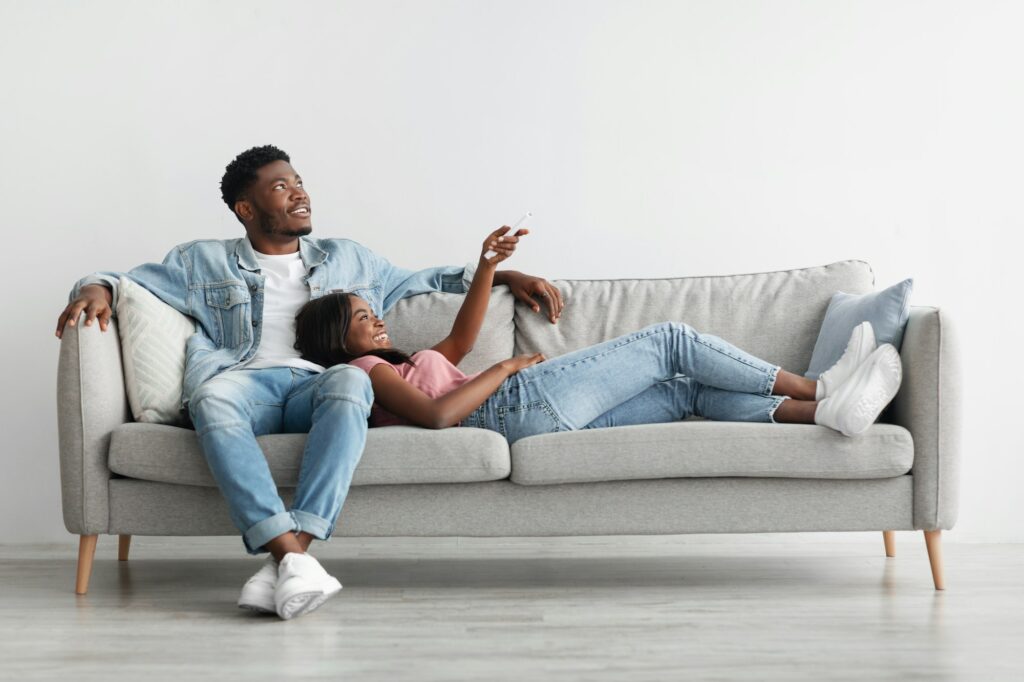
[(234, 407), (662, 373)]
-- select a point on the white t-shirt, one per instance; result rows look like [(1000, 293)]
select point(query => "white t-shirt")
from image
[(284, 292)]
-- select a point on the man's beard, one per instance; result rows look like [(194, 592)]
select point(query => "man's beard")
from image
[(265, 223)]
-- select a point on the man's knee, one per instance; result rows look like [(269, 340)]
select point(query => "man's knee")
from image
[(345, 382), (220, 396)]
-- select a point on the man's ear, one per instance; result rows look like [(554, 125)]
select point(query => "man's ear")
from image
[(244, 210)]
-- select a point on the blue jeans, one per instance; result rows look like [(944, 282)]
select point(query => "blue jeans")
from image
[(662, 373), (234, 407)]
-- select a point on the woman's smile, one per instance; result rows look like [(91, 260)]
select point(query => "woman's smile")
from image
[(366, 331)]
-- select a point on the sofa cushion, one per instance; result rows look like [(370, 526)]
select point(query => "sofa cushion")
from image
[(887, 310), (393, 454), (153, 338), (706, 448), (773, 315)]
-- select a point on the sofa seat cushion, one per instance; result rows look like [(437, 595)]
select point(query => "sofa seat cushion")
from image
[(393, 454), (705, 448)]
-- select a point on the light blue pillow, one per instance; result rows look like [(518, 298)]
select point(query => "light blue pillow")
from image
[(886, 310)]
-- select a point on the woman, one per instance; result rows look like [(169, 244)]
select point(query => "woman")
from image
[(664, 372)]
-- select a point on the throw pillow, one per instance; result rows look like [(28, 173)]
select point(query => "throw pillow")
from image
[(153, 337), (886, 310)]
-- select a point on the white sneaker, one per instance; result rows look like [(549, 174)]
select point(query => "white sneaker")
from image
[(858, 348), (258, 591), (302, 585), (857, 403)]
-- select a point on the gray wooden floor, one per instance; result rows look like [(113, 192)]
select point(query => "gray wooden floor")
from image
[(769, 607)]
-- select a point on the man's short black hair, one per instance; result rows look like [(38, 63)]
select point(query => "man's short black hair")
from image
[(241, 173)]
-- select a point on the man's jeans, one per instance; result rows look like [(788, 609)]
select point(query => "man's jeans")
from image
[(634, 379), (234, 407)]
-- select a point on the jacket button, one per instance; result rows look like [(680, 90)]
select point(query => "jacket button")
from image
[(254, 323)]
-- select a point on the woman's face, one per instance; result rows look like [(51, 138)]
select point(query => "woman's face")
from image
[(365, 331)]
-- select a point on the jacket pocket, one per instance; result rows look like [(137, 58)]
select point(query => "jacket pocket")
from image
[(230, 305)]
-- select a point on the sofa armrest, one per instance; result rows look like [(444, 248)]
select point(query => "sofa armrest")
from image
[(928, 405), (91, 402)]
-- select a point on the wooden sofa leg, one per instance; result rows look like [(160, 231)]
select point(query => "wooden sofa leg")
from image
[(123, 543), (86, 552), (933, 541), (889, 537)]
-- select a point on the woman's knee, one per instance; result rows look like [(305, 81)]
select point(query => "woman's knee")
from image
[(672, 328)]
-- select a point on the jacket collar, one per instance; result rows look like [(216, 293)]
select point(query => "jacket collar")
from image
[(245, 255), (311, 254)]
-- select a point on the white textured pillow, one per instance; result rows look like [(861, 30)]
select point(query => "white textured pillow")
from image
[(153, 337)]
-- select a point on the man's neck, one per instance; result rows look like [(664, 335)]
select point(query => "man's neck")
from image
[(274, 247)]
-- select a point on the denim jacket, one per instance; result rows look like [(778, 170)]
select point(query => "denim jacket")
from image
[(218, 283)]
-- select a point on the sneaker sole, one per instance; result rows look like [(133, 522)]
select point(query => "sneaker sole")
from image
[(301, 604), (304, 602), (868, 407)]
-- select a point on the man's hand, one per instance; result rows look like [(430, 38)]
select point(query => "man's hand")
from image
[(525, 287), (95, 300)]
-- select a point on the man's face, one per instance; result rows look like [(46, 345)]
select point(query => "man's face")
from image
[(279, 202)]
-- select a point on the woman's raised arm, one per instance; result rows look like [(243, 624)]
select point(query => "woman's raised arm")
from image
[(471, 315)]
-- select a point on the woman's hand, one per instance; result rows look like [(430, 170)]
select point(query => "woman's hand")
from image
[(520, 362), (502, 243)]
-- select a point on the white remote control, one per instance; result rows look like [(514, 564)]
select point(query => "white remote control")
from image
[(519, 223)]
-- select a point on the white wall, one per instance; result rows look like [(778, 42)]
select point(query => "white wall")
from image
[(650, 139)]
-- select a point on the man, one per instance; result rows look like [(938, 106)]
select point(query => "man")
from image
[(244, 378)]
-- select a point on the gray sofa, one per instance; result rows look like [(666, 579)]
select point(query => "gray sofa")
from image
[(125, 478)]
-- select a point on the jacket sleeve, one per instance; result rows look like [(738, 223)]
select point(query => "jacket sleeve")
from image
[(168, 281), (399, 282)]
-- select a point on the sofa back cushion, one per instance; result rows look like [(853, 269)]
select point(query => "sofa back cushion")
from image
[(419, 322), (773, 315), (153, 337)]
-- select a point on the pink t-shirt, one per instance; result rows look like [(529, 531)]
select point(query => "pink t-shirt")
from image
[(433, 374)]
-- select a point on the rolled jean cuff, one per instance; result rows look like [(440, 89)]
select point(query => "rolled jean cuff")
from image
[(316, 526), (773, 375), (771, 410), (266, 530)]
